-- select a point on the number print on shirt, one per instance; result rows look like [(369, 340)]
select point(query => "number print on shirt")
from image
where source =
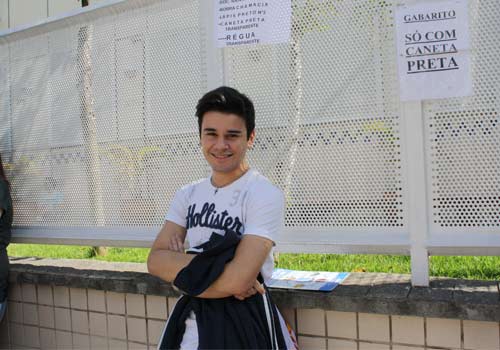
[(236, 196)]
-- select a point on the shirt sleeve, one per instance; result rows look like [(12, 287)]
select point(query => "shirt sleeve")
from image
[(265, 212), (178, 208)]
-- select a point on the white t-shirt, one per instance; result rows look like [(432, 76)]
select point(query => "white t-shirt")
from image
[(249, 205)]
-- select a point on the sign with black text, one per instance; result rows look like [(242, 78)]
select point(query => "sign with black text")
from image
[(433, 50), (250, 22)]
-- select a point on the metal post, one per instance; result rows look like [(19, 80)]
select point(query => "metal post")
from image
[(88, 121), (414, 135)]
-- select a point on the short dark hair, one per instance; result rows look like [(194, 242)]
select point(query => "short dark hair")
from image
[(225, 99)]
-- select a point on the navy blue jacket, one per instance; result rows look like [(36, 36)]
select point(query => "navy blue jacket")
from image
[(225, 323)]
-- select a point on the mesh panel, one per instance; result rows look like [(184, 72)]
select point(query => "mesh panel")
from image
[(103, 131), (464, 137), (103, 117), (331, 98), (5, 120), (97, 122)]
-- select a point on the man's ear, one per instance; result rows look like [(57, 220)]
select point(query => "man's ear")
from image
[(251, 139)]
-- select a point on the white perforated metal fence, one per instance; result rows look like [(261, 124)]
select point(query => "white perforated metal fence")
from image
[(97, 128)]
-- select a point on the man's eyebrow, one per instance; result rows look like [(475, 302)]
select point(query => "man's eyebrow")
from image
[(231, 131)]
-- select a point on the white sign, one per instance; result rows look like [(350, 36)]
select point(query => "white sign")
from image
[(247, 22), (433, 50)]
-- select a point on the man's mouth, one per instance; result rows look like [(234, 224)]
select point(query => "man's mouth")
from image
[(221, 156)]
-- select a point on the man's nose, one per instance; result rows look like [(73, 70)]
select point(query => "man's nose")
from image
[(221, 143)]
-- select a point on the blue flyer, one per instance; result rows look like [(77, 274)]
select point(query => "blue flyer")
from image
[(306, 280)]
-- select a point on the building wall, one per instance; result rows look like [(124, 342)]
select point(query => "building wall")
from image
[(4, 14), (14, 13), (50, 317)]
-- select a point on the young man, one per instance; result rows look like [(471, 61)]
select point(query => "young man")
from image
[(234, 198)]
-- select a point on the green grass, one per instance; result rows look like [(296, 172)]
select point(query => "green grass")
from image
[(470, 267), (49, 251), (77, 252), (139, 255)]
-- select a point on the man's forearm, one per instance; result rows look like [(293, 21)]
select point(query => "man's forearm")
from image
[(166, 264), (211, 293), (239, 274), (226, 285), (218, 289)]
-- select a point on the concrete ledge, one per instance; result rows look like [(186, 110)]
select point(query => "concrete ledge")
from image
[(379, 293)]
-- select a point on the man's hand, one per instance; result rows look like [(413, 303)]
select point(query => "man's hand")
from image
[(176, 243), (256, 288), (167, 257)]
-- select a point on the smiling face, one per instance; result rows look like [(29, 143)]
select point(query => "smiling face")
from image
[(224, 143)]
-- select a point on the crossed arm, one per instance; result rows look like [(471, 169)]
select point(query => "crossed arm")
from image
[(167, 258)]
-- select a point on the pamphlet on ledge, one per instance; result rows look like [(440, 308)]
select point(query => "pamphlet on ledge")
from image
[(306, 280)]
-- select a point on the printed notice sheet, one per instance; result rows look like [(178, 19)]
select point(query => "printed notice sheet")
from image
[(250, 22), (308, 280), (433, 50)]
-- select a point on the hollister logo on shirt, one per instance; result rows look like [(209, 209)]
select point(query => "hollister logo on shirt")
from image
[(208, 217)]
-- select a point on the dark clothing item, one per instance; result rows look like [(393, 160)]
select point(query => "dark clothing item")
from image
[(225, 323), (5, 225), (4, 273), (6, 219), (209, 263)]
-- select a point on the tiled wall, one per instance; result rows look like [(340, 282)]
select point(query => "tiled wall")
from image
[(319, 329), (50, 317)]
